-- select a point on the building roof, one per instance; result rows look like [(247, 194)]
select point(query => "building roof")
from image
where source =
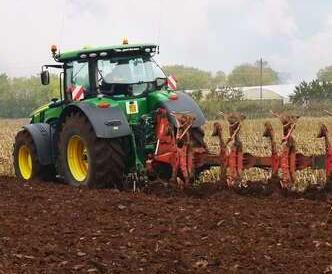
[(108, 50), (269, 92), (254, 94)]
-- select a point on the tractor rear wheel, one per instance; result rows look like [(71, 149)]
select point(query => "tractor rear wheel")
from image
[(197, 137), (87, 160), (26, 164)]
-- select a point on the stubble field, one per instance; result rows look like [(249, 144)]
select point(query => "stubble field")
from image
[(55, 228)]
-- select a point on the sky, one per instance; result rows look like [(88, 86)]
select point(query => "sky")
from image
[(293, 36)]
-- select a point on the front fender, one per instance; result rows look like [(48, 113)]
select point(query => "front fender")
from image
[(42, 136), (107, 122)]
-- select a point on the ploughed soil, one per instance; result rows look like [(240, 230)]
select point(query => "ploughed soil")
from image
[(55, 228)]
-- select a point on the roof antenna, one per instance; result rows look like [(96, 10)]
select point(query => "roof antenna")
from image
[(62, 24), (160, 17)]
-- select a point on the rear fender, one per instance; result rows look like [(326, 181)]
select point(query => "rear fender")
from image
[(184, 104), (107, 122)]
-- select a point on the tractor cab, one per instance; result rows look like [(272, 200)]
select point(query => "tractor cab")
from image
[(125, 76), (124, 71)]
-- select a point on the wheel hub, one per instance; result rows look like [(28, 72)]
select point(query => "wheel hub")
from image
[(77, 158), (25, 162)]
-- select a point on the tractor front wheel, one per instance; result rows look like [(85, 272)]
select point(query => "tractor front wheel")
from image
[(26, 164), (87, 160)]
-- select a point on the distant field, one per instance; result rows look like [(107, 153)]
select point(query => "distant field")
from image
[(253, 142)]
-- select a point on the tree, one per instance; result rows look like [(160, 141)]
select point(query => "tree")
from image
[(325, 74), (249, 75), (197, 95), (189, 78), (308, 93), (19, 96), (4, 91), (219, 79), (232, 94), (226, 93)]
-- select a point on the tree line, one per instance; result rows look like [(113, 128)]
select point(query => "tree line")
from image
[(189, 78), (21, 95)]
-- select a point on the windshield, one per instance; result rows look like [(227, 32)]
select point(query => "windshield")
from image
[(129, 71), (119, 73)]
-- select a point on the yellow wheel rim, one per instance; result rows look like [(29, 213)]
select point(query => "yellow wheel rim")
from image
[(77, 158), (25, 162)]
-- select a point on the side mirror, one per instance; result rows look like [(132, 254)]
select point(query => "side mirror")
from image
[(45, 77)]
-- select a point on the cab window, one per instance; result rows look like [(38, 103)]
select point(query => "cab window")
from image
[(77, 74)]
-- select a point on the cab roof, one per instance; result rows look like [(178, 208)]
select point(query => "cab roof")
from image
[(116, 50)]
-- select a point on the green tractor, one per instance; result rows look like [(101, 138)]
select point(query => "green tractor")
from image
[(116, 118)]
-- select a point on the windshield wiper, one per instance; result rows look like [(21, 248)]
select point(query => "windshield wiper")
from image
[(101, 75), (133, 83)]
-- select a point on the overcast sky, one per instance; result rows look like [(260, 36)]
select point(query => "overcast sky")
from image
[(294, 36)]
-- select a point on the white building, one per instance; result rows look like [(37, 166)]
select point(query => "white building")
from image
[(269, 92)]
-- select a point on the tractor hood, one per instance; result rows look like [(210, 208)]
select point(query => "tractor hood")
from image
[(38, 110)]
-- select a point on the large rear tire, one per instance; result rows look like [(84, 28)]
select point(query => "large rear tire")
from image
[(87, 160), (197, 137), (26, 164)]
